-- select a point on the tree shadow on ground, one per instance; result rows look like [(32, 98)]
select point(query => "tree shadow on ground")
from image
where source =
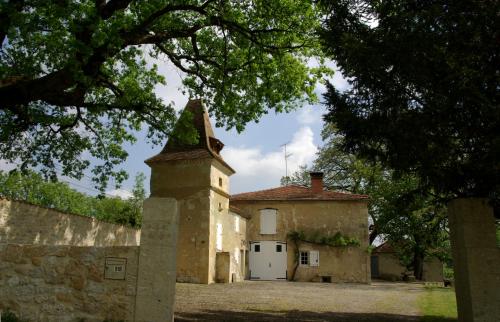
[(227, 316)]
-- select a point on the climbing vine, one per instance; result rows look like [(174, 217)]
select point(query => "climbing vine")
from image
[(336, 240)]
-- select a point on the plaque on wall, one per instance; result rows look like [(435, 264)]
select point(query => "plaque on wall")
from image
[(115, 268)]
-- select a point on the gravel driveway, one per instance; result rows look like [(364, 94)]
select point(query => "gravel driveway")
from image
[(295, 301)]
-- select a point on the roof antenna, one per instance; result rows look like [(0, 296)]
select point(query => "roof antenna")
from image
[(286, 163)]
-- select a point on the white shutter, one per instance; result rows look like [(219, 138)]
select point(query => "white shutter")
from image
[(218, 241), (314, 258), (268, 221)]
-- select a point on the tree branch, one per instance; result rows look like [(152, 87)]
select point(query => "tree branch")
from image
[(6, 17), (106, 10)]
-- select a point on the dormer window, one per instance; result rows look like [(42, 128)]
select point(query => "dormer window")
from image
[(216, 144)]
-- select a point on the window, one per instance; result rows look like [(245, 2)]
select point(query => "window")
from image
[(309, 258), (220, 182), (304, 258), (256, 248), (268, 221), (237, 224), (279, 248)]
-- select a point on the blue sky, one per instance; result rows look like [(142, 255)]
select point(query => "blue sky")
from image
[(256, 154)]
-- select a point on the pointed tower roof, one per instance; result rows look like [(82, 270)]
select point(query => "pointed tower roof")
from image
[(208, 146)]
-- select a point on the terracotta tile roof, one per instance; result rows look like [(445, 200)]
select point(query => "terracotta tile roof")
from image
[(181, 155), (239, 211), (294, 192), (208, 146)]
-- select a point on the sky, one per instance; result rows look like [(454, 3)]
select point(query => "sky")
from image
[(257, 153)]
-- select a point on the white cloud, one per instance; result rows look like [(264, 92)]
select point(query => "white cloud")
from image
[(311, 114), (256, 170), (171, 93), (338, 80), (124, 194), (6, 166)]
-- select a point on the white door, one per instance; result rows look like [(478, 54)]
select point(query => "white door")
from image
[(267, 260)]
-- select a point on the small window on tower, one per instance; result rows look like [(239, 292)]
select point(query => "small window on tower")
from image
[(279, 248), (256, 248), (220, 182)]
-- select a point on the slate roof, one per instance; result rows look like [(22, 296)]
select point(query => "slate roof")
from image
[(208, 146), (294, 192)]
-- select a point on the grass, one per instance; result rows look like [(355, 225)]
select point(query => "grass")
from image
[(438, 304)]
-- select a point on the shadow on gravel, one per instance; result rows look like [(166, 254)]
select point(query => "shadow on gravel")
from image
[(227, 316)]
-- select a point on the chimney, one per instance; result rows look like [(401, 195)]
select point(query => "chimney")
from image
[(316, 182)]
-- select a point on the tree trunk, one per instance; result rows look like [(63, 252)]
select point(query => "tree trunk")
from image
[(373, 236), (297, 260), (418, 265)]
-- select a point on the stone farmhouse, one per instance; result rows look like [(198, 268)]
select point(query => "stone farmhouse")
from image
[(224, 238)]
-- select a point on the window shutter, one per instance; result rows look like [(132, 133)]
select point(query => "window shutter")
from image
[(314, 258), (268, 221)]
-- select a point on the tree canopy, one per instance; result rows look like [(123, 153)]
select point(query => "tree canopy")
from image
[(424, 94), (31, 187), (77, 78)]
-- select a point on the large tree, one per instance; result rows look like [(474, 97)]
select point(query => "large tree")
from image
[(77, 78), (424, 92)]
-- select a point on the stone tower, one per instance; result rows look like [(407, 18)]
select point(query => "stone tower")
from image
[(198, 178)]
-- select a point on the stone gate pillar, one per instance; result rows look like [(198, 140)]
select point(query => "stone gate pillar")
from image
[(157, 265), (476, 260)]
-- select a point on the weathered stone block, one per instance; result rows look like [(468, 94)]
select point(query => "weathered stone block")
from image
[(34, 251), (476, 260), (157, 265), (13, 253)]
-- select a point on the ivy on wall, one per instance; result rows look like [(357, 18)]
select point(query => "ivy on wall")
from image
[(336, 240)]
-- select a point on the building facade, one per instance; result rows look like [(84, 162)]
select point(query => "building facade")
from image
[(225, 238), (276, 213)]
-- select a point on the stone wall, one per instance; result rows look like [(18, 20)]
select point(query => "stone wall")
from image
[(390, 268), (24, 223), (346, 264), (68, 283), (233, 242)]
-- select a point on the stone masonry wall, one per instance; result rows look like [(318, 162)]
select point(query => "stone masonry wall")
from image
[(24, 223), (67, 283)]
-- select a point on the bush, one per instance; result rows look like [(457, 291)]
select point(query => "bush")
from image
[(8, 316)]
